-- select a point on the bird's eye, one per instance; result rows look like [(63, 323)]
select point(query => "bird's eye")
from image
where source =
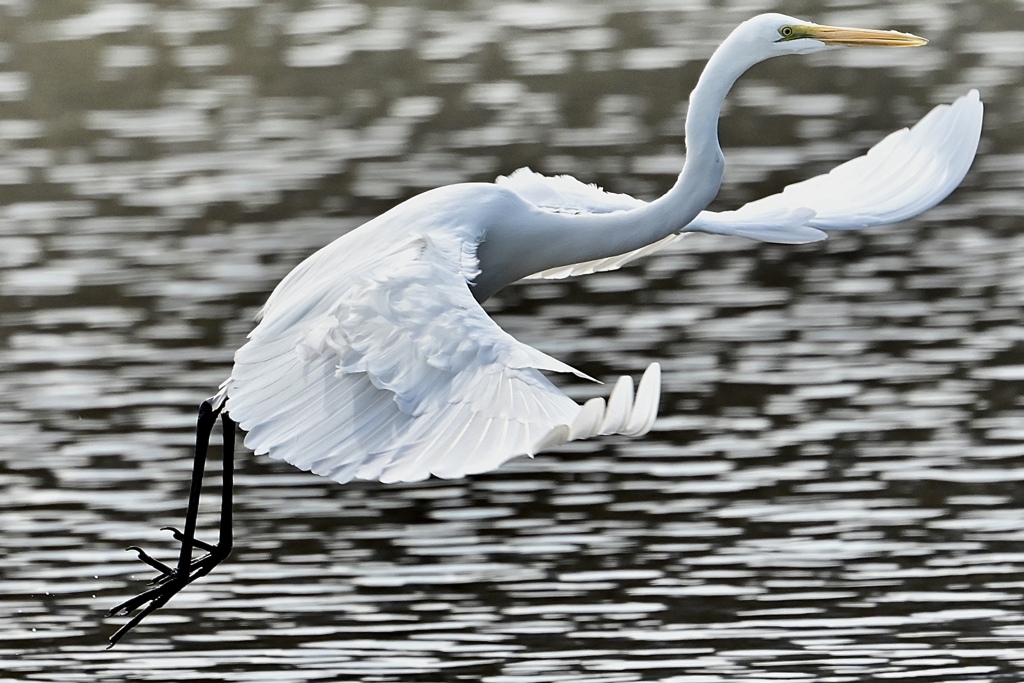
[(786, 31)]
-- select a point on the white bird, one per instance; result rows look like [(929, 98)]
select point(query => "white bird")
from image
[(373, 358)]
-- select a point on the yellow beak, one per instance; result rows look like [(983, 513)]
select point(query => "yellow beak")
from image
[(835, 35)]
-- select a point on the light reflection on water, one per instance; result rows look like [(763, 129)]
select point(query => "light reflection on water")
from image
[(832, 493)]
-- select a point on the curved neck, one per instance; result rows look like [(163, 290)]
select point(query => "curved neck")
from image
[(705, 163), (548, 240), (701, 177)]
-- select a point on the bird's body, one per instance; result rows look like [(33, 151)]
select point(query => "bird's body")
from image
[(374, 359)]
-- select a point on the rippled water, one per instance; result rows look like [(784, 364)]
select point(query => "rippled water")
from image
[(833, 492)]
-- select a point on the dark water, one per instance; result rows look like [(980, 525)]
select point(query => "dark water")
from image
[(832, 494)]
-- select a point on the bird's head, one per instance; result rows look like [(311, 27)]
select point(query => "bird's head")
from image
[(769, 35)]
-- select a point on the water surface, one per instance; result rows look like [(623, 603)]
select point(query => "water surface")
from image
[(832, 493)]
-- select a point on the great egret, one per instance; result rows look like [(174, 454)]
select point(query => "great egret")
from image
[(373, 358)]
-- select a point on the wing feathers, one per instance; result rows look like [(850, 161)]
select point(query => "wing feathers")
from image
[(620, 415), (589, 420), (907, 172), (397, 377), (645, 408), (619, 404)]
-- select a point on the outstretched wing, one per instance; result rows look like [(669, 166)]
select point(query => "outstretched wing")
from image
[(908, 172), (374, 361), (905, 174)]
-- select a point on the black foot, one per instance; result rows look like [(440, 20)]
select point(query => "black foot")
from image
[(170, 580), (165, 586)]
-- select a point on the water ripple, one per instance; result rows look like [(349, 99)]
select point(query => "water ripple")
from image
[(832, 493)]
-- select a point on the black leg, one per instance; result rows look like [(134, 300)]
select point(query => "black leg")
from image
[(226, 540), (204, 425), (170, 581)]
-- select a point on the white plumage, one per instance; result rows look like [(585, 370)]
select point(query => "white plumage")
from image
[(378, 363), (374, 358)]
